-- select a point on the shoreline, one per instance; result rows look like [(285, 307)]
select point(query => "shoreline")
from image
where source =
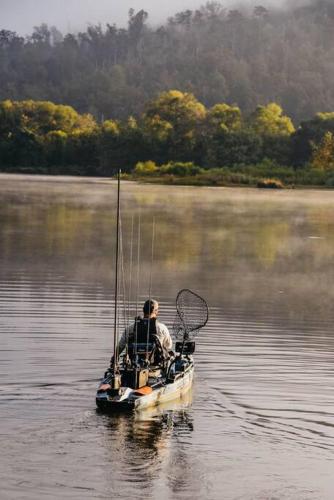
[(160, 181)]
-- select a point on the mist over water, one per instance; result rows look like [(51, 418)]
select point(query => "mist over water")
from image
[(259, 421), (75, 15)]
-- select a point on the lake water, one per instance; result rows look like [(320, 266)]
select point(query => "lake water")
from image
[(259, 423)]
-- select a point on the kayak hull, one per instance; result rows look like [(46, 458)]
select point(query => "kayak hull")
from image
[(162, 392)]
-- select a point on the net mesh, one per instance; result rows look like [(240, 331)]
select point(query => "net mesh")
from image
[(192, 314)]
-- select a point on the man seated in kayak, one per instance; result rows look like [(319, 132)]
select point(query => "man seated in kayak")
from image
[(145, 327)]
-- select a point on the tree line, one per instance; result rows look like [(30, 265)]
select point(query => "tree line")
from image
[(40, 136), (236, 56)]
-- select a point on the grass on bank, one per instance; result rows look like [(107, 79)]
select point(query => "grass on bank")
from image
[(266, 174)]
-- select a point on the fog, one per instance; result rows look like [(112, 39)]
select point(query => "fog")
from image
[(72, 15)]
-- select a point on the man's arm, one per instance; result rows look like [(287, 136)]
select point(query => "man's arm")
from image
[(121, 344), (164, 337)]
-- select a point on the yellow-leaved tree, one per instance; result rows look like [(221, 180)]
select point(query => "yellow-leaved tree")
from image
[(270, 120), (224, 117), (174, 117), (323, 153)]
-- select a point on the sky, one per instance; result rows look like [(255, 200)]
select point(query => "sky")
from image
[(72, 15)]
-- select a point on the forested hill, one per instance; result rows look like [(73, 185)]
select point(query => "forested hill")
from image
[(232, 56)]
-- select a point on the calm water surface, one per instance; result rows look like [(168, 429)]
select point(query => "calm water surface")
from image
[(259, 423)]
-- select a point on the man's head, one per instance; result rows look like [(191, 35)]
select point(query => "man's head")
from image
[(151, 308)]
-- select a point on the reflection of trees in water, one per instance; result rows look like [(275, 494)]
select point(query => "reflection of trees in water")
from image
[(270, 242), (191, 225), (251, 246)]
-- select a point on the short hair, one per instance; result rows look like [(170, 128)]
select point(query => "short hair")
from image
[(149, 306)]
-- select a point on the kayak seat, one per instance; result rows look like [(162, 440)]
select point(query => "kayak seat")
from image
[(144, 344), (151, 352)]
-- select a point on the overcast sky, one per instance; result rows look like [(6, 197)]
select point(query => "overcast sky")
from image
[(72, 15)]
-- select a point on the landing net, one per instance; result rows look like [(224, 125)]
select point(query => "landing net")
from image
[(192, 314)]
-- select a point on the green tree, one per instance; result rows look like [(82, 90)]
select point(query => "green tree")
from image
[(232, 148), (309, 134), (323, 153), (145, 168), (181, 115), (121, 145), (224, 117), (37, 132), (180, 169), (269, 120), (275, 129), (55, 144), (181, 109), (109, 147), (157, 135)]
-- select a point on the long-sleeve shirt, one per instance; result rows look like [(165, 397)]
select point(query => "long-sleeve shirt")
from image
[(162, 333)]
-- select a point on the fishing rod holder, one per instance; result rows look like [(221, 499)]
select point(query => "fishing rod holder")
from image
[(113, 379)]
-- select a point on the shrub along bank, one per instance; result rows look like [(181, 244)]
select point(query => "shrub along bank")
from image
[(263, 175)]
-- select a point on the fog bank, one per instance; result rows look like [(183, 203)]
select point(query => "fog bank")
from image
[(73, 15)]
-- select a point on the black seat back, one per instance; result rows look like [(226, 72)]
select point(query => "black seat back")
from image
[(143, 342), (145, 330)]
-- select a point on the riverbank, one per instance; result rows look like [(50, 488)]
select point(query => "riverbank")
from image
[(256, 176)]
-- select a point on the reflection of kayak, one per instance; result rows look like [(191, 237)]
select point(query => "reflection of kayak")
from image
[(158, 390), (149, 429)]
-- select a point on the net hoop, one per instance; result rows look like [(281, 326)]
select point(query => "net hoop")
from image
[(192, 314)]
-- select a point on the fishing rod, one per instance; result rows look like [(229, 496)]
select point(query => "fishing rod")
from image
[(116, 353), (150, 289)]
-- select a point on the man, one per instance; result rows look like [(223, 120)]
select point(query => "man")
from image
[(149, 325)]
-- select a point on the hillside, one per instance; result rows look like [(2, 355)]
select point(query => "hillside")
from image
[(234, 56)]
